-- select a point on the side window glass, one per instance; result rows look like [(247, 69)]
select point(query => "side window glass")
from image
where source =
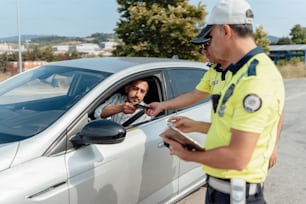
[(184, 80)]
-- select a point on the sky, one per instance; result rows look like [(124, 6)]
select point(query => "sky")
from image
[(81, 18)]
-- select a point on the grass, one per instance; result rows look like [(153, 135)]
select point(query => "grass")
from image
[(288, 71)]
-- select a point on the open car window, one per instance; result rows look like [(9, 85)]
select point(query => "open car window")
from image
[(154, 94)]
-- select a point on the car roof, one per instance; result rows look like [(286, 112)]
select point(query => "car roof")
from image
[(117, 64)]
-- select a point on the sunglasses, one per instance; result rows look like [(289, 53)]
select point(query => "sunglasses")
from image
[(206, 43)]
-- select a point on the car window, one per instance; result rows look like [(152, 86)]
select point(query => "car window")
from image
[(183, 80), (154, 94)]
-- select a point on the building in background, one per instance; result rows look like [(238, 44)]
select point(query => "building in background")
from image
[(286, 52)]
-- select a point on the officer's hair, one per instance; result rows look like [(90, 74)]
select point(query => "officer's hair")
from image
[(243, 30)]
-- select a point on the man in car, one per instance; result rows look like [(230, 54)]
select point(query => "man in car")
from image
[(120, 108)]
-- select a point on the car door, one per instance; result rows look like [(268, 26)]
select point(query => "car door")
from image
[(160, 170), (138, 170), (128, 172), (184, 80)]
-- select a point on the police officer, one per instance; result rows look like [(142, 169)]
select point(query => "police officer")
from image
[(244, 130), (211, 83)]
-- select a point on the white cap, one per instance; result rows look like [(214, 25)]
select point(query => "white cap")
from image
[(227, 12), (231, 12)]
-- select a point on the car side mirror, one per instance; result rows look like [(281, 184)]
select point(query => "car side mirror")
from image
[(100, 132)]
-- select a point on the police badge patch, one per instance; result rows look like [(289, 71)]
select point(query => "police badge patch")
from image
[(252, 103)]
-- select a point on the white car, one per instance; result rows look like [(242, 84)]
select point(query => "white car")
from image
[(53, 151)]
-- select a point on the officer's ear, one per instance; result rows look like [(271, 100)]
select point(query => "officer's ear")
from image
[(227, 30)]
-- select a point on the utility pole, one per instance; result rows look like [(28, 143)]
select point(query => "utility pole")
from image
[(19, 39)]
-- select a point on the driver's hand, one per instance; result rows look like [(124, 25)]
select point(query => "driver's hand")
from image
[(128, 108)]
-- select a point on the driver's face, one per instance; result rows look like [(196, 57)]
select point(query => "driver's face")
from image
[(136, 91)]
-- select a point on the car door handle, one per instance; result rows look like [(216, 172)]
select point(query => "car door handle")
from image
[(162, 145), (43, 194)]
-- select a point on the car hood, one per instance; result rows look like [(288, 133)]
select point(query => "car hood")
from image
[(7, 154)]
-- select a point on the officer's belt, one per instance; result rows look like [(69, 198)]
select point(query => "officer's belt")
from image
[(224, 186)]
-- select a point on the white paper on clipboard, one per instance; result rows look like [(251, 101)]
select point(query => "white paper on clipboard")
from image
[(181, 138)]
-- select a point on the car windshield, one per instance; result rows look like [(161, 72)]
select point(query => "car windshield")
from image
[(33, 100)]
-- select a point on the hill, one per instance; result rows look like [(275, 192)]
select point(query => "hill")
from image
[(43, 40), (23, 38), (273, 39)]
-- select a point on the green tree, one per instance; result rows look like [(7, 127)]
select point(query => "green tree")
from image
[(298, 34), (284, 41), (158, 28), (37, 54), (101, 37), (47, 54), (6, 57), (3, 61), (32, 54), (261, 39)]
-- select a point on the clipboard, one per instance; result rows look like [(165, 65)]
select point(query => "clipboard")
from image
[(186, 141)]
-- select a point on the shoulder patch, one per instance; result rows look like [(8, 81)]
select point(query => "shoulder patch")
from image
[(252, 68), (252, 103)]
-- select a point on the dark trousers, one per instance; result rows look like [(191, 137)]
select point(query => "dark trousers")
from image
[(216, 197)]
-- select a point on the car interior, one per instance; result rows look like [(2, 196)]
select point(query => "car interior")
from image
[(154, 95)]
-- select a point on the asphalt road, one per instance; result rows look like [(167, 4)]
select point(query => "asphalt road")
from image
[(286, 182)]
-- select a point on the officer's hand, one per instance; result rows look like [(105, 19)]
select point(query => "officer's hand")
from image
[(182, 123), (273, 158), (154, 108), (176, 148)]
